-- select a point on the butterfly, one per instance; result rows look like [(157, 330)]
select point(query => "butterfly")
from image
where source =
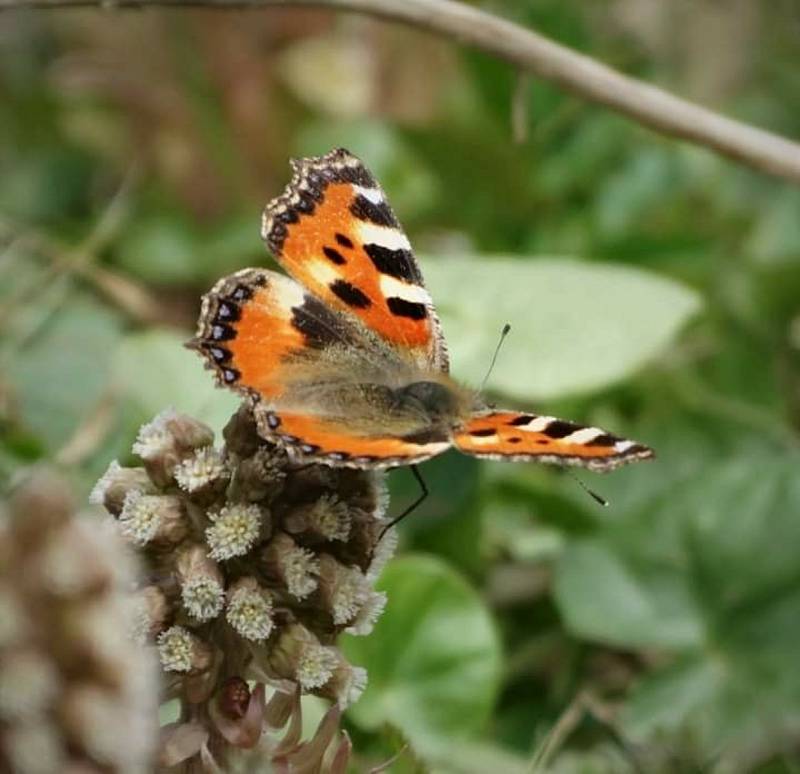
[(344, 359)]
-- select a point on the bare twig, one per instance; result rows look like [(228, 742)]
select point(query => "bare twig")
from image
[(532, 52)]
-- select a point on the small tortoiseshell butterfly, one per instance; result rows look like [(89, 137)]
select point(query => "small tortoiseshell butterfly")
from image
[(345, 362)]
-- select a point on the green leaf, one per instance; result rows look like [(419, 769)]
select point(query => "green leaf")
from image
[(154, 370), (604, 599), (63, 372), (576, 326), (433, 659), (708, 572)]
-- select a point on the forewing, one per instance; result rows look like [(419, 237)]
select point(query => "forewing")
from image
[(262, 334), (515, 436), (337, 442), (333, 230)]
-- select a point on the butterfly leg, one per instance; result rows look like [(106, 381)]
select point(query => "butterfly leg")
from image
[(423, 494)]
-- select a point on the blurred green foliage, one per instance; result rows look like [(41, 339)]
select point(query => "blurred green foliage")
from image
[(652, 288)]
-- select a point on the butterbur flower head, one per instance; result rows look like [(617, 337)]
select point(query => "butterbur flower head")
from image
[(140, 517), (116, 483), (299, 655), (146, 518), (328, 518), (364, 620), (201, 583), (73, 686), (346, 589), (249, 610), (167, 441), (296, 568), (234, 530), (181, 651), (203, 469), (346, 684), (254, 564), (203, 598)]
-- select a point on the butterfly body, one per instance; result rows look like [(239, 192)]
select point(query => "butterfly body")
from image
[(345, 361)]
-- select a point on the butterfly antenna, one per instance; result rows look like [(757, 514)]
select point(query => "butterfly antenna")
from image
[(596, 497), (506, 330)]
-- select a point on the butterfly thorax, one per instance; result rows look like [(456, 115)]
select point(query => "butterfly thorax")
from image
[(436, 400), (419, 404)]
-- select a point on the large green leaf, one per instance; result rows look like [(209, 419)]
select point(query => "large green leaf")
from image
[(433, 659), (709, 573), (63, 371), (576, 326)]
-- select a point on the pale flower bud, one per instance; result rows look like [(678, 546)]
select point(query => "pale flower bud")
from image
[(202, 589), (113, 486), (298, 655), (181, 651), (234, 530), (168, 440), (297, 569), (345, 590), (250, 610), (328, 518), (157, 519), (203, 471)]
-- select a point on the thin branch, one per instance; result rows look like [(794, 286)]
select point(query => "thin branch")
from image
[(529, 51)]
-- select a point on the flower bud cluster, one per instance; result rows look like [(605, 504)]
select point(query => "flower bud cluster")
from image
[(255, 563), (76, 693)]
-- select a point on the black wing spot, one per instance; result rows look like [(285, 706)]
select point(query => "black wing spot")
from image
[(515, 439), (356, 175), (309, 448), (273, 420), (485, 433), (350, 294), (403, 308), (380, 214), (603, 440), (522, 419), (230, 375), (560, 429), (334, 256), (395, 263), (305, 203), (344, 241), (319, 325)]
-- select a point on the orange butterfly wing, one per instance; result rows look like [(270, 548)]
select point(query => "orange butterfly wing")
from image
[(511, 435), (333, 231), (265, 336), (333, 441), (258, 329)]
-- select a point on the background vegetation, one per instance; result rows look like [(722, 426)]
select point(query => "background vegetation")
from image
[(652, 289)]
